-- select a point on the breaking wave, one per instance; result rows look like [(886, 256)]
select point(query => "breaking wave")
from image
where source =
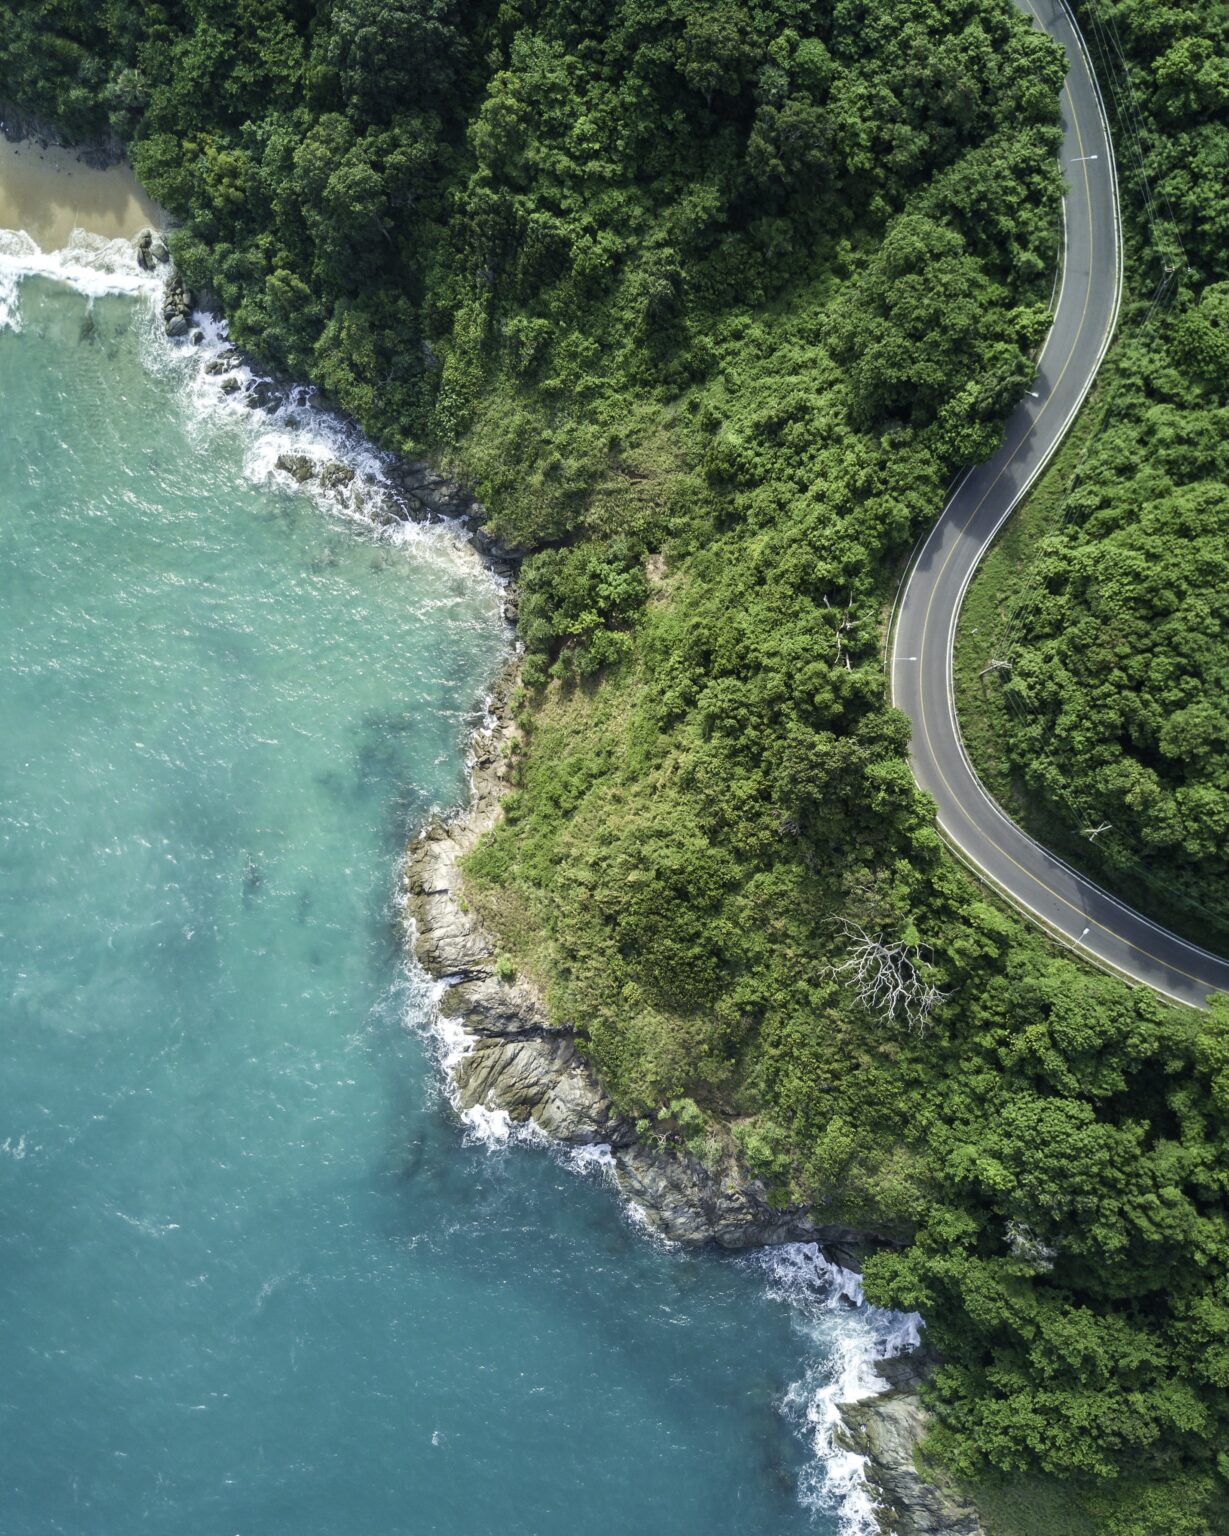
[(90, 263), (845, 1337), (290, 440)]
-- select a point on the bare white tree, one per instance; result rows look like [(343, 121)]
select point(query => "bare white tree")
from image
[(1025, 1244), (889, 978), (843, 627)]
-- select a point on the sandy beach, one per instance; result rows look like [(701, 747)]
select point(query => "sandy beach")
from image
[(50, 191)]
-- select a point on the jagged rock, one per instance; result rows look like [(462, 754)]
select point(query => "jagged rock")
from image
[(518, 1061), (887, 1430), (151, 250), (493, 547), (425, 489), (297, 465), (177, 299), (540, 1078), (264, 395), (490, 1006), (198, 336), (230, 385), (225, 362), (691, 1201), (336, 476), (176, 304)]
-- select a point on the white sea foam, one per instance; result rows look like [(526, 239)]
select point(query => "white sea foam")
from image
[(297, 425), (90, 263), (495, 1128), (452, 1042), (845, 1337), (593, 1161), (147, 1224)]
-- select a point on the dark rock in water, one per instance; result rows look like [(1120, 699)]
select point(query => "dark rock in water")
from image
[(297, 465), (197, 337), (230, 385), (424, 488), (336, 475), (89, 328), (264, 395), (151, 250), (398, 508), (176, 303), (224, 362)]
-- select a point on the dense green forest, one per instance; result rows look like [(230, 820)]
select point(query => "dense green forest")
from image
[(709, 299)]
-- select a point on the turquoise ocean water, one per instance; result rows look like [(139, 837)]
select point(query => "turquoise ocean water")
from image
[(255, 1278)]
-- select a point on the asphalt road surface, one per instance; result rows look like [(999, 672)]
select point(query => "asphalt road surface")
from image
[(1076, 910)]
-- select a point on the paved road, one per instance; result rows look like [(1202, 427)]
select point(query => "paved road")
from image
[(1082, 914)]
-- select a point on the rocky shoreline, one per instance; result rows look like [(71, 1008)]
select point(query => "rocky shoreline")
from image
[(887, 1431), (516, 1061), (408, 490)]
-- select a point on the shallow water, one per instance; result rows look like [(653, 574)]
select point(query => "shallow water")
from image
[(254, 1279)]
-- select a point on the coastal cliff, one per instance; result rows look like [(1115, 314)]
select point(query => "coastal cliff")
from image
[(516, 1060), (512, 1058), (888, 1431)]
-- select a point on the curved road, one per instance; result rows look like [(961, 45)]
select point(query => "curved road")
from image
[(1077, 911)]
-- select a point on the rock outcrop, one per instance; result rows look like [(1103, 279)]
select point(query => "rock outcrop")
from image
[(297, 465), (152, 251), (514, 1059), (517, 1060), (428, 494), (177, 305), (888, 1430)]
